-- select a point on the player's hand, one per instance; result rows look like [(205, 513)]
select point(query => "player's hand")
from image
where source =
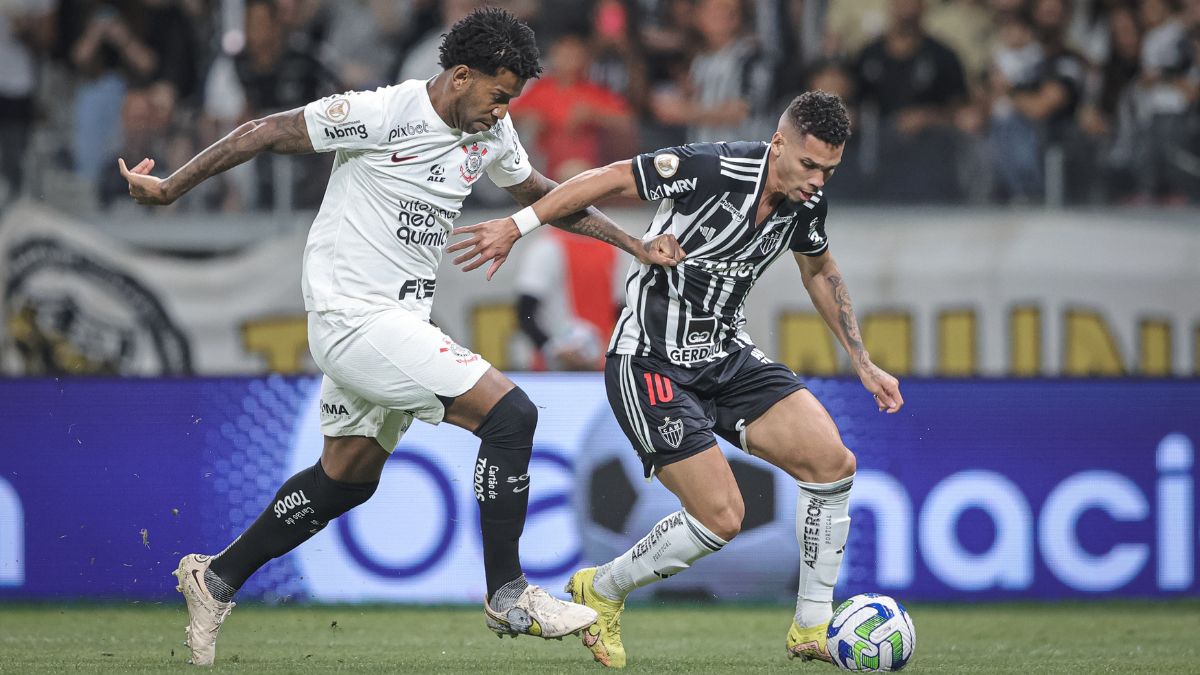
[(661, 250), (492, 240), (884, 387), (144, 188)]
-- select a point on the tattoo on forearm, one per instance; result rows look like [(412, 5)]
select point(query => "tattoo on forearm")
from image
[(282, 133), (590, 223), (845, 313)]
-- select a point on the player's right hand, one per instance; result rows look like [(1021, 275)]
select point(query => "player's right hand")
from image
[(144, 188), (661, 250), (488, 241)]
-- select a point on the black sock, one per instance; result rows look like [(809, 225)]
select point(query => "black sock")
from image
[(301, 508), (502, 484)]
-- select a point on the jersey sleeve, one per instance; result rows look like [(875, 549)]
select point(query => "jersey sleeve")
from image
[(809, 238), (512, 167), (676, 173), (355, 120)]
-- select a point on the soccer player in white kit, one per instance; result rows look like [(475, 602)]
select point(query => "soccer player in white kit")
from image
[(407, 157)]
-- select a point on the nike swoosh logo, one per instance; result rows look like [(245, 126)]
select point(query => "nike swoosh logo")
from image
[(196, 578), (397, 160), (522, 488)]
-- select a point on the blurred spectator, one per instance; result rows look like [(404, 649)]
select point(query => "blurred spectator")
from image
[(618, 59), (566, 300), (268, 76), (421, 62), (1060, 89), (107, 55), (1090, 29), (729, 86), (27, 29), (778, 39), (1107, 114), (910, 87), (967, 27), (851, 25), (1161, 102), (1036, 92), (665, 33), (359, 38), (151, 124), (1017, 60), (576, 124)]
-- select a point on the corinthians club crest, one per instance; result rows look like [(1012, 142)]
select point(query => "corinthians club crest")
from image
[(672, 432), (472, 166)]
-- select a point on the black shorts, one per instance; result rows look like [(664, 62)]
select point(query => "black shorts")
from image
[(670, 413)]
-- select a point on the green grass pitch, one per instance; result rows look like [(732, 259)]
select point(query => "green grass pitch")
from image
[(1100, 637)]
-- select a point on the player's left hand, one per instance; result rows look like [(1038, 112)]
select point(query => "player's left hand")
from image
[(144, 188), (661, 250), (492, 240), (884, 387)]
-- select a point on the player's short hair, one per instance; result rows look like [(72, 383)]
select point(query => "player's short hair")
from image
[(489, 39), (820, 114)]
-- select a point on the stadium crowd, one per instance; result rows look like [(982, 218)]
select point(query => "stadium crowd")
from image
[(954, 101)]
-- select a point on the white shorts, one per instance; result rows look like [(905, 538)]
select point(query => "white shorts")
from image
[(383, 368)]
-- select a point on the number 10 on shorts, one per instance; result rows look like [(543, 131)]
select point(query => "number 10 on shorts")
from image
[(657, 384)]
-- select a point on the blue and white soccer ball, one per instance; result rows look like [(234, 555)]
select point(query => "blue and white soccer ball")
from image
[(871, 633)]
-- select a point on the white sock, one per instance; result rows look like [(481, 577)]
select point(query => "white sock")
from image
[(822, 526), (672, 546)]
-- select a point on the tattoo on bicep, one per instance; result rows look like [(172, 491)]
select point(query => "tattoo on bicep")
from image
[(846, 319)]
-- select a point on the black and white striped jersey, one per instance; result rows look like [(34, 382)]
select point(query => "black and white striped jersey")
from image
[(692, 313)]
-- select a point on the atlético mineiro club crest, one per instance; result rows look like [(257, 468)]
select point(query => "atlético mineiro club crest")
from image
[(769, 241), (472, 166), (672, 432)]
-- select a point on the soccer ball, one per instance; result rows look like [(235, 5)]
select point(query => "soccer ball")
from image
[(871, 632)]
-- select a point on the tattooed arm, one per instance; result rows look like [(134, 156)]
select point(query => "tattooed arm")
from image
[(590, 222), (568, 207), (283, 133), (829, 295)]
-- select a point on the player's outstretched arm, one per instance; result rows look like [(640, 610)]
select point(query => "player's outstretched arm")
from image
[(568, 207), (829, 295), (284, 133)]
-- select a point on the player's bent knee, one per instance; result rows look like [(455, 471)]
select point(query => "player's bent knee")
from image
[(511, 422), (845, 465), (834, 465), (727, 522), (523, 411)]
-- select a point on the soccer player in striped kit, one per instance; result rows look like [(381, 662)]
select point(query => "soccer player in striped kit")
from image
[(681, 366)]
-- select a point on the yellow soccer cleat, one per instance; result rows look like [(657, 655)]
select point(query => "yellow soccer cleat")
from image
[(808, 643), (603, 638)]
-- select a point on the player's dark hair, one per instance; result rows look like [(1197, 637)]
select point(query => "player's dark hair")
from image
[(820, 114), (489, 39)]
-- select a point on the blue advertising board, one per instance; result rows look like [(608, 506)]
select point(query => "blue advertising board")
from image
[(978, 489)]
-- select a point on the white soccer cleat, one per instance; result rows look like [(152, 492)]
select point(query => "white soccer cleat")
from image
[(538, 613), (205, 613)]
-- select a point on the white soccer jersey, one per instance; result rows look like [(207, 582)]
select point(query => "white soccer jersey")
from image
[(398, 182)]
